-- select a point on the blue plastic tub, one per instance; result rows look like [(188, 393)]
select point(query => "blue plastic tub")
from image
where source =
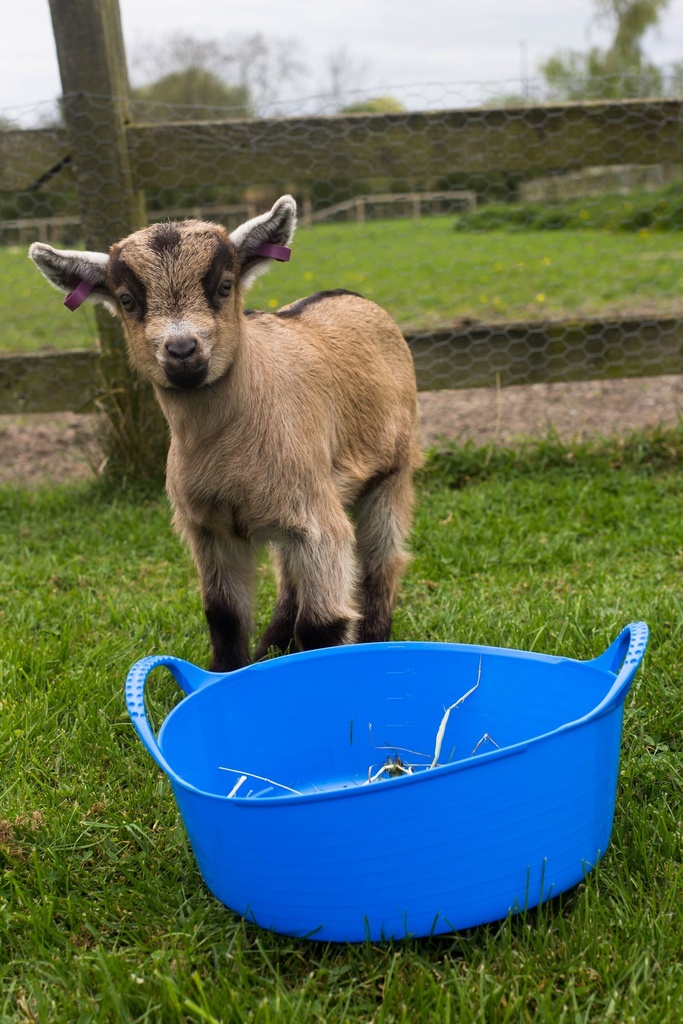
[(270, 766)]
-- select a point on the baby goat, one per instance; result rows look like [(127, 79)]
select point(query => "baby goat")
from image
[(281, 425)]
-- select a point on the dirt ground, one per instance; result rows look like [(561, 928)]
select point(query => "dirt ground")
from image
[(62, 447)]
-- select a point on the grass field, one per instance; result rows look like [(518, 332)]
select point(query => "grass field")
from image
[(423, 272), (103, 916)]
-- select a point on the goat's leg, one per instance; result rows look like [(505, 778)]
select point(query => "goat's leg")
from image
[(322, 563), (226, 572), (383, 517), (280, 630)]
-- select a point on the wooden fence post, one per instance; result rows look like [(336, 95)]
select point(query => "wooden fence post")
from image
[(92, 64)]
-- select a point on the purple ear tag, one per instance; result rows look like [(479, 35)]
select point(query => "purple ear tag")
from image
[(274, 252), (80, 293)]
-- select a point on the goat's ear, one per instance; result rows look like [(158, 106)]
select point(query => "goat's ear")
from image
[(273, 228), (68, 269)]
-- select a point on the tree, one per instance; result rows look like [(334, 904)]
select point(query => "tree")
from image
[(506, 99), (190, 94), (375, 105), (674, 85), (244, 74), (267, 68), (252, 75), (344, 73), (617, 72)]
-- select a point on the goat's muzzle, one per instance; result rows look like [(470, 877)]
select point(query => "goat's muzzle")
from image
[(183, 365)]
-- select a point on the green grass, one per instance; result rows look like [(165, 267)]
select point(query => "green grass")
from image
[(423, 272), (31, 311), (103, 915)]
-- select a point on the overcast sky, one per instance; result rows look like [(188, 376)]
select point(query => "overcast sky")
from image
[(425, 52)]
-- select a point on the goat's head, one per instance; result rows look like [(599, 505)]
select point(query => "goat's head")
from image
[(177, 288)]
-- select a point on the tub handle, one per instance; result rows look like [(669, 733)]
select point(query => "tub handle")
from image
[(623, 657), (189, 678)]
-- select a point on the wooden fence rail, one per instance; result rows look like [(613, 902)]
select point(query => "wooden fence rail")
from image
[(528, 141), (480, 353)]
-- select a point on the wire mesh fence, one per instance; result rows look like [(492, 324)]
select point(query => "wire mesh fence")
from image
[(512, 244)]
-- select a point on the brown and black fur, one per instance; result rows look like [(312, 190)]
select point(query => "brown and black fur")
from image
[(296, 429)]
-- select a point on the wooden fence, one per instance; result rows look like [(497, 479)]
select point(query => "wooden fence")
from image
[(110, 161), (480, 353)]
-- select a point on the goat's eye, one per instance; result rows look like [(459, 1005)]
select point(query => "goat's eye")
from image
[(224, 288), (128, 302)]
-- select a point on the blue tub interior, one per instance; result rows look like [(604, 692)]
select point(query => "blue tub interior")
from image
[(320, 722)]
